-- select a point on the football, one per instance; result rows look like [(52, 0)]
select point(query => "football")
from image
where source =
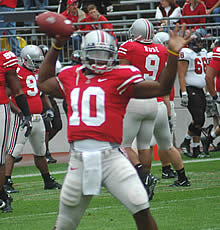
[(53, 24)]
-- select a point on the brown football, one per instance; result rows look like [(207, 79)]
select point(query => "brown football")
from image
[(53, 24)]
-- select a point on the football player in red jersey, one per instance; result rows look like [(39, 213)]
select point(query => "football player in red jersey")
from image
[(31, 57), (150, 58), (8, 77), (212, 72), (97, 93)]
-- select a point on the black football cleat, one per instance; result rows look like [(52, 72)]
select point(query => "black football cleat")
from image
[(52, 184), (7, 207), (184, 183), (50, 159), (169, 173), (9, 188)]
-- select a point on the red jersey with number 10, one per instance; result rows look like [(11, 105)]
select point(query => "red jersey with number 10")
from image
[(96, 104), (8, 61), (29, 86)]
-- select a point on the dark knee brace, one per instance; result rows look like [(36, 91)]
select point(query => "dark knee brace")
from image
[(195, 130)]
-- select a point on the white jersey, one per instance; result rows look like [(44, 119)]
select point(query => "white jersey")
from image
[(195, 75)]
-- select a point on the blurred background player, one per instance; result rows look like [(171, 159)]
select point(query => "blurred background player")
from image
[(31, 58), (8, 76), (53, 123), (191, 71)]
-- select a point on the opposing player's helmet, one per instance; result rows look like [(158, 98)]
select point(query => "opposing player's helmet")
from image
[(196, 43), (44, 49), (32, 57), (142, 30), (161, 38), (216, 43), (98, 51)]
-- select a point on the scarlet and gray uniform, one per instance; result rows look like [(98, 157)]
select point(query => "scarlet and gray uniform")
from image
[(96, 106), (37, 137), (141, 114), (8, 61), (195, 82)]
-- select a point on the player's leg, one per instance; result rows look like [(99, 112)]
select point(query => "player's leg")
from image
[(16, 146), (197, 106), (4, 132), (37, 140), (122, 181), (72, 202), (163, 138), (56, 126)]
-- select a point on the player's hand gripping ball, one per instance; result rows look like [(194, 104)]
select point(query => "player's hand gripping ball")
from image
[(53, 24)]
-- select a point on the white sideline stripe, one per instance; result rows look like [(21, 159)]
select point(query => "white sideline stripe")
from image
[(101, 208), (154, 164)]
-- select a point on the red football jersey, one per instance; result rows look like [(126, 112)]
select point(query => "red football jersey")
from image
[(29, 85), (8, 61), (215, 64), (150, 59), (96, 104)]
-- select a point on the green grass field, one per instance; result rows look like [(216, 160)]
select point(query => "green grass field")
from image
[(193, 208)]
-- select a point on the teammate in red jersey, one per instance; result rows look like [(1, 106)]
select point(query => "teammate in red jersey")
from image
[(31, 57), (97, 93), (212, 72), (8, 77), (150, 58)]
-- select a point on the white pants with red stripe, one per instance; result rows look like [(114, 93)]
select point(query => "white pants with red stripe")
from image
[(36, 137), (4, 130)]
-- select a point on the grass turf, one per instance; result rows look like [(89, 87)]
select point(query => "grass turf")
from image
[(192, 208)]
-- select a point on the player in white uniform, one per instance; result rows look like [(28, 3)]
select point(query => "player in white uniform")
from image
[(31, 57), (191, 70), (97, 94)]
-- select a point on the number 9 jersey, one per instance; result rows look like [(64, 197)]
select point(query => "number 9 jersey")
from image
[(195, 75), (149, 58), (28, 83)]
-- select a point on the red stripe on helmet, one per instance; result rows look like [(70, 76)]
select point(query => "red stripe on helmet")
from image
[(149, 29), (102, 36)]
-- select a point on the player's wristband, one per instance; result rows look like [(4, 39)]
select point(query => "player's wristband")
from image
[(173, 53), (56, 47), (215, 97), (21, 102)]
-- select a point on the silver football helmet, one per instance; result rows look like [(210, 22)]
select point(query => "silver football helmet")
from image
[(161, 38), (32, 57), (141, 30), (98, 51)]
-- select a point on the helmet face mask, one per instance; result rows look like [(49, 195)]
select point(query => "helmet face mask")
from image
[(32, 57), (196, 43), (142, 31), (99, 51), (44, 49)]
